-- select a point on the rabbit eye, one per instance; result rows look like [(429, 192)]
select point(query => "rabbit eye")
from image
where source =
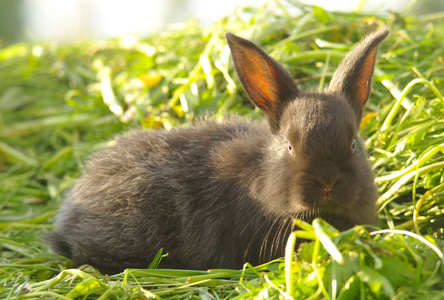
[(290, 150), (353, 145)]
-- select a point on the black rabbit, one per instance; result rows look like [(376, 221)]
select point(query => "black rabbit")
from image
[(219, 194)]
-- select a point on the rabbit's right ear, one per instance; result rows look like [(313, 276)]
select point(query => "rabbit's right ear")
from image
[(354, 75), (267, 83)]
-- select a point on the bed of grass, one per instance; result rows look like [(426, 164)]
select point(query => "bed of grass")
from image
[(60, 103)]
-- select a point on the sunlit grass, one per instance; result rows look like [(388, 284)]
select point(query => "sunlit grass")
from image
[(60, 103)]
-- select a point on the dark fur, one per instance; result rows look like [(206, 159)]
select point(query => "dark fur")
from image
[(215, 195)]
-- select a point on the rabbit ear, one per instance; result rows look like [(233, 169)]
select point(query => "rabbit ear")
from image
[(354, 75), (267, 83)]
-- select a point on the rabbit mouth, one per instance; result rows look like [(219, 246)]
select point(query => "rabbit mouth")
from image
[(326, 196), (329, 213), (322, 198), (324, 202)]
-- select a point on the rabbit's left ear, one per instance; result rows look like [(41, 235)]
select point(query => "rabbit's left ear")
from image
[(354, 75), (267, 83)]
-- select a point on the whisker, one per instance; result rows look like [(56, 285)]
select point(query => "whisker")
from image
[(280, 234), (273, 239), (253, 237), (289, 225), (264, 245), (251, 220)]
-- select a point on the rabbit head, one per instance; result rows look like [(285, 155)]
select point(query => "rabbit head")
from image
[(315, 162)]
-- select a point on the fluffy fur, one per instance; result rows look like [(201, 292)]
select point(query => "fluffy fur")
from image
[(219, 194)]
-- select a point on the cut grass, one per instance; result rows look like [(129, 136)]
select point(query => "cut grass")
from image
[(60, 103)]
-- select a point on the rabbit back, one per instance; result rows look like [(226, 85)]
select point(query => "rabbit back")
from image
[(155, 190)]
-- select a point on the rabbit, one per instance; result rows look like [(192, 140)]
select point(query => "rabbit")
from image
[(218, 194)]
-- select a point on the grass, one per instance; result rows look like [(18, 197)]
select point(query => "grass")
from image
[(60, 103)]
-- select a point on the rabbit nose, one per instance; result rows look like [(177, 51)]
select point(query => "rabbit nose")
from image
[(328, 185)]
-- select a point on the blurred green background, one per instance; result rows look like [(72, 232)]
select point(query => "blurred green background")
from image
[(72, 20)]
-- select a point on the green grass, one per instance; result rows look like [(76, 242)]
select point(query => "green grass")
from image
[(60, 103)]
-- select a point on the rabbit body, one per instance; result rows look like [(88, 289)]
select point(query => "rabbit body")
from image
[(219, 194)]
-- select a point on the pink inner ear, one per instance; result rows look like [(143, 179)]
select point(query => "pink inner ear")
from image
[(260, 79), (362, 85)]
